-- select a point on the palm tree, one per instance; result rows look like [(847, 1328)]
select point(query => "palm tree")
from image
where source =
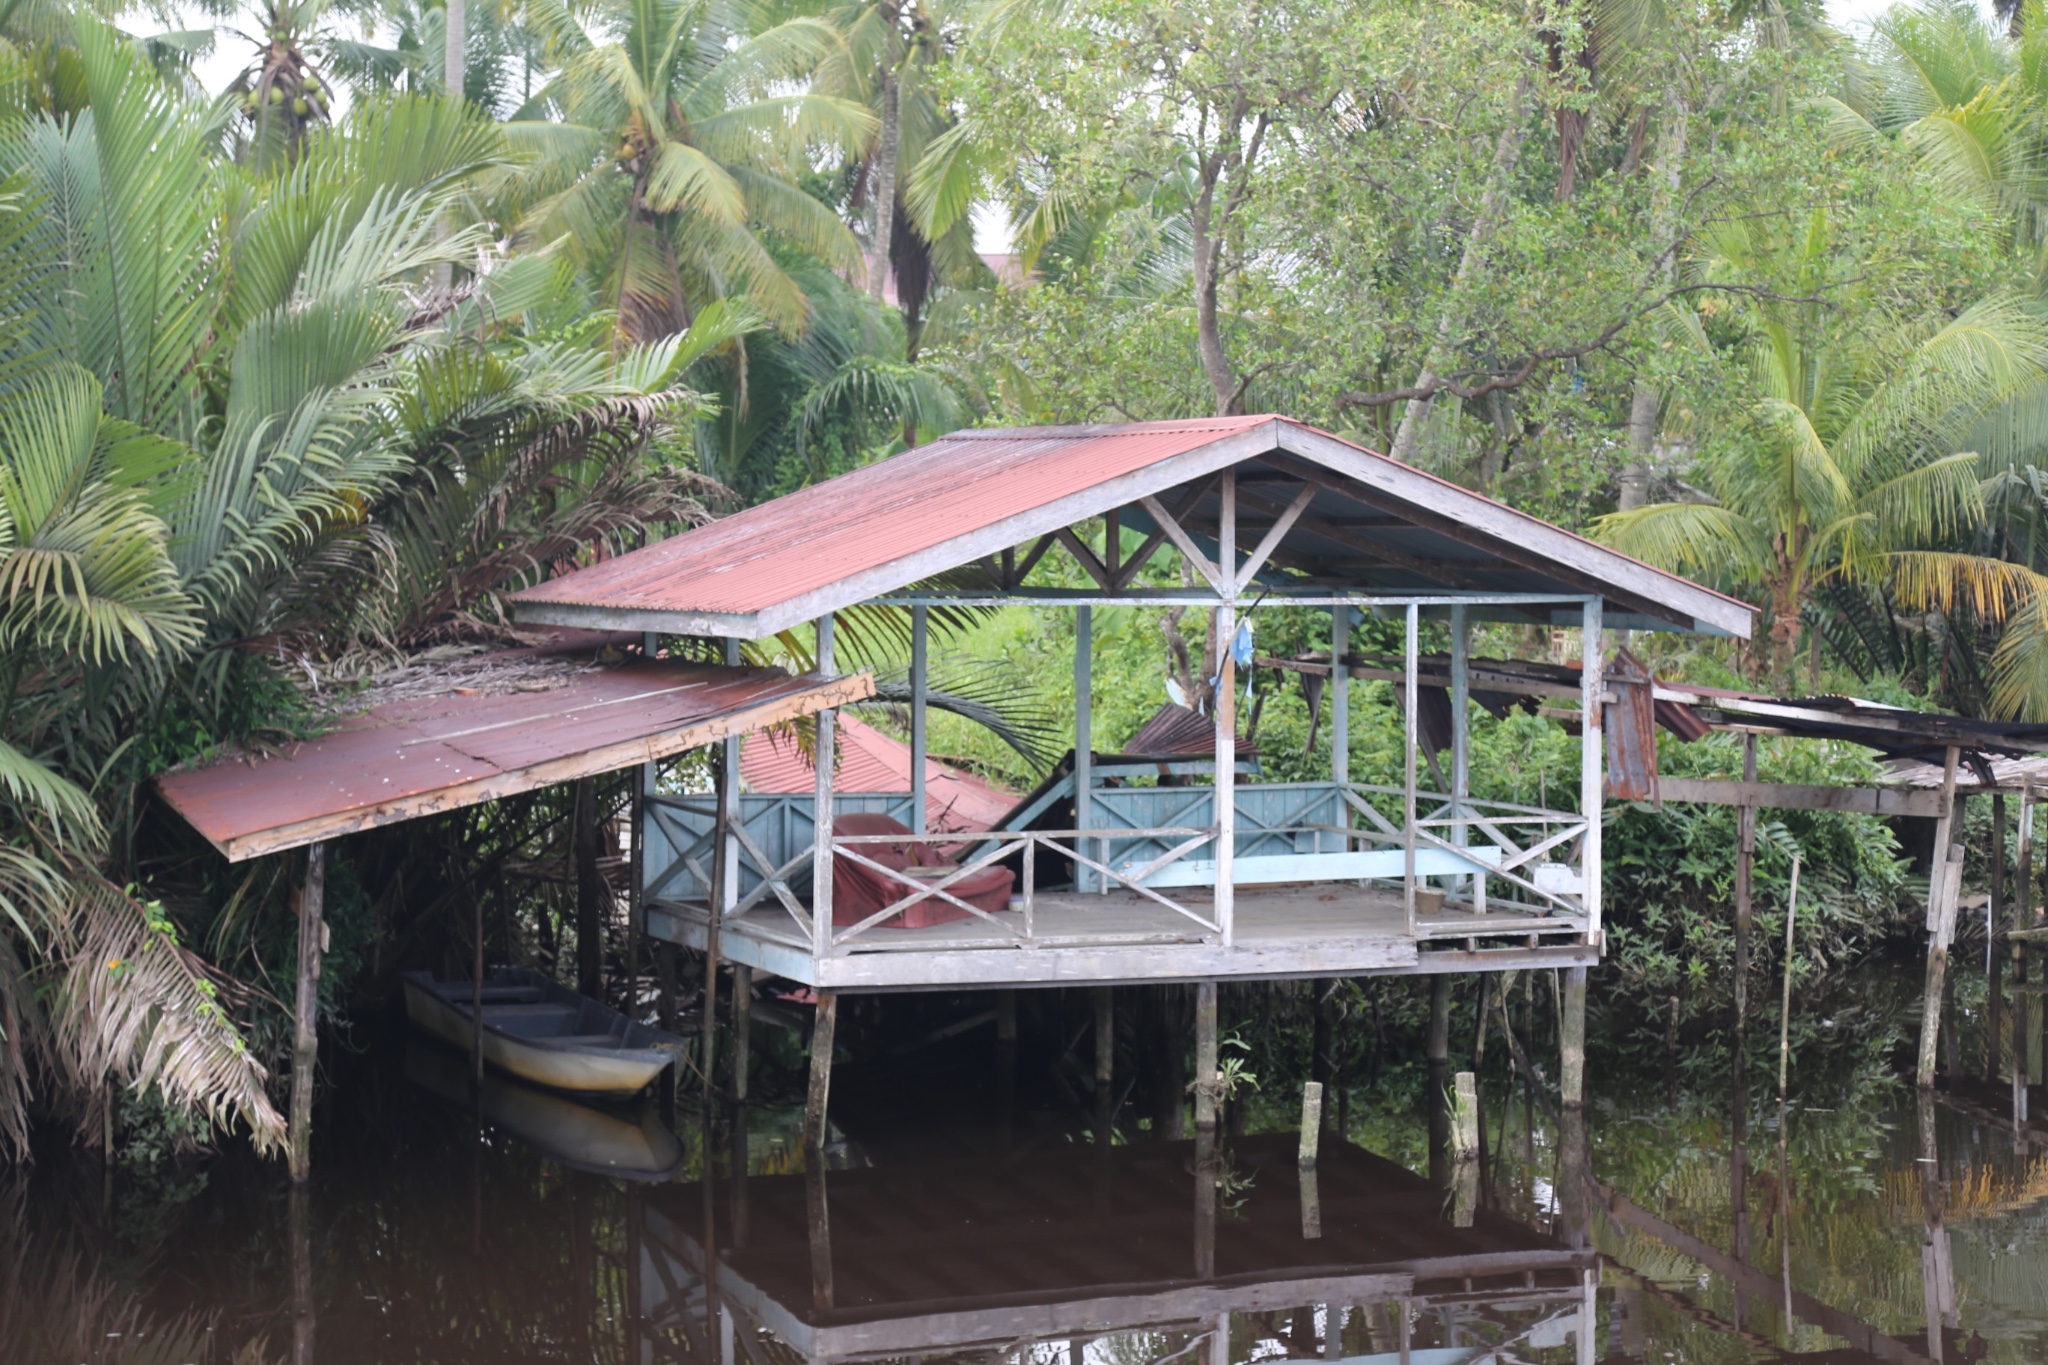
[(893, 50), (237, 414), (669, 147), (1964, 100), (281, 93), (1853, 467)]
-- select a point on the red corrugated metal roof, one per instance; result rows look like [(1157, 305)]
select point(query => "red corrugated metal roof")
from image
[(879, 513), (971, 494), (430, 754), (870, 761)]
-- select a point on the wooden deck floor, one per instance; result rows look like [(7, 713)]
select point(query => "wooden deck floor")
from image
[(1120, 936)]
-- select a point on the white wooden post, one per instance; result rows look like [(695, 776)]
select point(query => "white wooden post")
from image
[(1084, 743), (821, 847), (1592, 762), (1226, 713), (920, 689), (727, 893), (1340, 715), (1461, 741), (1411, 734)]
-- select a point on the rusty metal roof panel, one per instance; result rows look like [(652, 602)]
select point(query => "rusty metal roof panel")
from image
[(879, 513), (424, 755), (972, 494)]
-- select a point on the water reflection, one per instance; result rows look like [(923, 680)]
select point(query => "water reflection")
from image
[(1148, 1252), (1907, 1235)]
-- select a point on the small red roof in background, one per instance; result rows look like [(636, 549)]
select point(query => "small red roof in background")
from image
[(870, 761)]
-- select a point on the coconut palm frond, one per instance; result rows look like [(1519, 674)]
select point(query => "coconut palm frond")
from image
[(990, 694)]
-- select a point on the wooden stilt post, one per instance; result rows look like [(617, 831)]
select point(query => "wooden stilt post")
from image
[(1310, 1146), (1943, 882), (2022, 918), (1205, 1057), (476, 991), (742, 1028), (306, 1011), (1084, 742), (665, 984), (1461, 745), (1340, 710), (1006, 1062), (722, 892), (1592, 761), (591, 893), (1572, 1040), (301, 1230), (1206, 1171), (1437, 1049), (818, 1200), (920, 690), (1994, 959), (1105, 1064), (822, 858), (1411, 700), (1745, 864), (820, 1092), (1226, 713)]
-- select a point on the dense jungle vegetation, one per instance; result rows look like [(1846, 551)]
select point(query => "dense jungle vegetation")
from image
[(300, 375)]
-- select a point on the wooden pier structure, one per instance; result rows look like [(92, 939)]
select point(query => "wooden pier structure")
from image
[(1113, 874)]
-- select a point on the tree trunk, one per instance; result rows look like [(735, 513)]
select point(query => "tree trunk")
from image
[(882, 187), (1642, 413), (1507, 154), (1208, 329), (456, 55), (1208, 223)]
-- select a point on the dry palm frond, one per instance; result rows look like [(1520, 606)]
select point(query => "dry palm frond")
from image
[(134, 1003)]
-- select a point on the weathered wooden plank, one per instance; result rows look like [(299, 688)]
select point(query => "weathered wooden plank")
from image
[(1888, 801)]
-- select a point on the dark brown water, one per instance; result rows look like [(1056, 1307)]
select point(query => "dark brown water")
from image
[(955, 1225)]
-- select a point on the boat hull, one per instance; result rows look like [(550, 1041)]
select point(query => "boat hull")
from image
[(629, 1145), (592, 1071)]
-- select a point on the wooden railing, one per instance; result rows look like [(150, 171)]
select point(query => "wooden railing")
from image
[(1517, 866)]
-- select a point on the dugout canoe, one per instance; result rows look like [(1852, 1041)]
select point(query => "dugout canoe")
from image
[(539, 1030)]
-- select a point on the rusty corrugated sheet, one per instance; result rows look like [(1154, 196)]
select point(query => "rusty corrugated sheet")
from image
[(870, 761), (421, 756), (1631, 724), (874, 515)]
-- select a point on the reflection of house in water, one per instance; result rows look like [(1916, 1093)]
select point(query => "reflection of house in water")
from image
[(1118, 1248)]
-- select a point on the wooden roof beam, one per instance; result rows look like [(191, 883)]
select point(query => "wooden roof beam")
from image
[(1433, 570), (1479, 540)]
